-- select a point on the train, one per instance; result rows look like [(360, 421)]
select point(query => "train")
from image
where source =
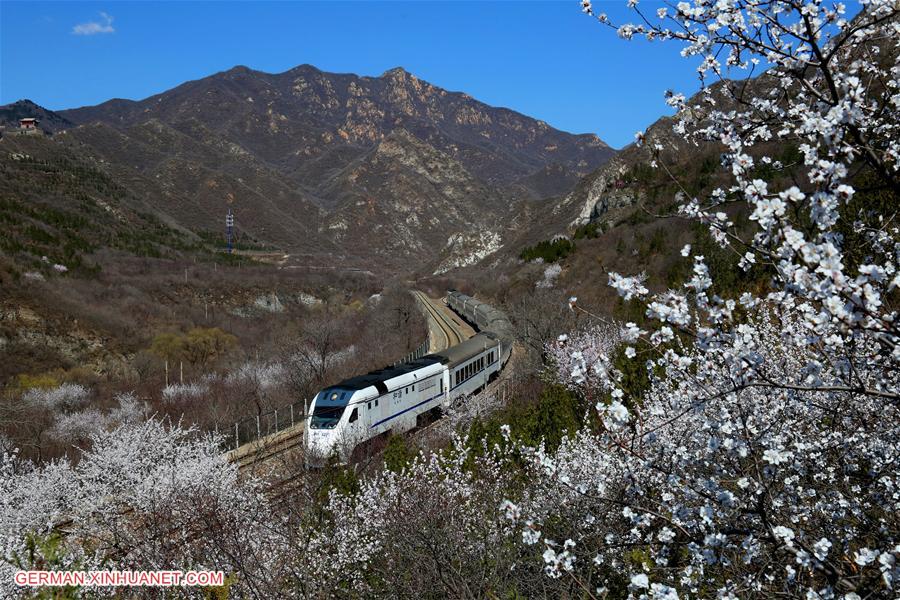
[(484, 317), (347, 416)]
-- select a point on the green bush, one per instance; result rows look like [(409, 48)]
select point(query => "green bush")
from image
[(588, 231), (397, 454), (558, 413), (199, 346), (549, 251)]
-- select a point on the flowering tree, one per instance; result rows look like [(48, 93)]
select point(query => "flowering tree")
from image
[(431, 530), (145, 496), (763, 459)]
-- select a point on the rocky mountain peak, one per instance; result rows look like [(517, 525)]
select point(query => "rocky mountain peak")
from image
[(397, 73)]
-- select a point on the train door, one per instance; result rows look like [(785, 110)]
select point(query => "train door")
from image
[(354, 425), (445, 384)]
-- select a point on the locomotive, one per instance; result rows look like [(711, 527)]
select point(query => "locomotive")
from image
[(396, 399)]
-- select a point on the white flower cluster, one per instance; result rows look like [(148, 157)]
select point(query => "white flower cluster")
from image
[(262, 375), (145, 495), (184, 391), (81, 425), (583, 357), (763, 459), (550, 274), (62, 397), (758, 487), (442, 511)]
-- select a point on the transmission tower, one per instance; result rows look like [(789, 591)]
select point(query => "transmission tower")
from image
[(229, 230)]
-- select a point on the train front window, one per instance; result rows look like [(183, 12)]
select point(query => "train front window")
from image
[(326, 417), (329, 407)]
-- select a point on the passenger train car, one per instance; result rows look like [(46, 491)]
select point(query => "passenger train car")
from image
[(394, 400), (483, 317)]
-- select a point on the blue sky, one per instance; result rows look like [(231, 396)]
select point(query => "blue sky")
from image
[(544, 59)]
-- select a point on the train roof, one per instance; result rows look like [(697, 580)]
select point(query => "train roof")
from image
[(377, 378), (463, 351)]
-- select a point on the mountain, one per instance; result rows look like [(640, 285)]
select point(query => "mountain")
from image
[(386, 171), (306, 123)]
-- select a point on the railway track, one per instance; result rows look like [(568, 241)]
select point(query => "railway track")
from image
[(448, 329), (266, 449)]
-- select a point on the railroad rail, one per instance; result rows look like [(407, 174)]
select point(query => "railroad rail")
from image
[(450, 331), (265, 449)]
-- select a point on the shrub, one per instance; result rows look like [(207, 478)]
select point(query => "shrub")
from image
[(548, 251)]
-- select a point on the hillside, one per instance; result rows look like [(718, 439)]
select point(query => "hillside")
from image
[(613, 220), (372, 171)]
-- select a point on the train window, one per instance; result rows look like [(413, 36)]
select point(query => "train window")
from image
[(369, 406), (354, 415), (376, 401)]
